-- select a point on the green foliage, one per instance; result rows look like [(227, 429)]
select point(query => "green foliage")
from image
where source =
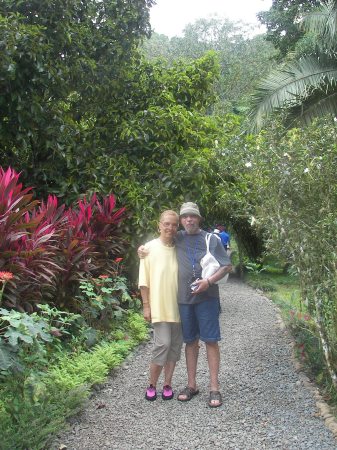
[(235, 190), (84, 369), (269, 279), (168, 144), (31, 341), (119, 123), (303, 89), (88, 367), (24, 327), (137, 327), (282, 22), (103, 301), (243, 59), (34, 406), (23, 340), (62, 323), (297, 190), (30, 422), (285, 293), (60, 62)]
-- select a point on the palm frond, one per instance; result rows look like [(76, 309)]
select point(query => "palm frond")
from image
[(290, 86), (319, 105), (323, 23)]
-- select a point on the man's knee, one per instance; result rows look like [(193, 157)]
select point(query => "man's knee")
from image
[(193, 344), (212, 345)]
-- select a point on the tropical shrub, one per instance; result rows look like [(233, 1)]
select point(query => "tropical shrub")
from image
[(29, 341), (295, 172), (46, 399), (49, 248), (89, 244), (103, 301)]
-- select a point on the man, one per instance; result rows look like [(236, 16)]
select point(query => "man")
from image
[(199, 308), (225, 237)]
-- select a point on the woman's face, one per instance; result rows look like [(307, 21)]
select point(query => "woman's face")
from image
[(168, 226)]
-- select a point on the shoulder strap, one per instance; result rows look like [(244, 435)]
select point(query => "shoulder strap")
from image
[(207, 239)]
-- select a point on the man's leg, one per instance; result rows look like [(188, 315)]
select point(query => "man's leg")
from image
[(213, 358), (191, 353), (208, 314)]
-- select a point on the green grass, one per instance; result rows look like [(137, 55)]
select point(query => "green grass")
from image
[(35, 406), (284, 290)]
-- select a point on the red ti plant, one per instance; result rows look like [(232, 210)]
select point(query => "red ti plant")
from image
[(15, 205), (89, 244), (106, 233), (50, 249), (27, 243)]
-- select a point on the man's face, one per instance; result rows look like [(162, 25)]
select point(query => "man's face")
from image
[(190, 222)]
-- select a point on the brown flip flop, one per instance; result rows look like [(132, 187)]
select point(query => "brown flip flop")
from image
[(214, 395), (189, 393)]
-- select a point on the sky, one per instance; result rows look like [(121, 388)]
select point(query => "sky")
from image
[(169, 17)]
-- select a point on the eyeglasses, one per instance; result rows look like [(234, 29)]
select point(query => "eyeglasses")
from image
[(169, 224)]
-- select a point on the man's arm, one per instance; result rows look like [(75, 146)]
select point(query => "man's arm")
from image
[(219, 274), (205, 283)]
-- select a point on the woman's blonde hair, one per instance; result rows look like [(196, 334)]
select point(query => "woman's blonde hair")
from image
[(168, 212)]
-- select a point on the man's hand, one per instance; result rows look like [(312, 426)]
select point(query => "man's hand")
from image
[(202, 286), (147, 313), (142, 252)]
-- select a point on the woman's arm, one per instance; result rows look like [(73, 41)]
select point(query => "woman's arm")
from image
[(145, 293)]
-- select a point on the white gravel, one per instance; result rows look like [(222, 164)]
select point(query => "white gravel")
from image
[(266, 405)]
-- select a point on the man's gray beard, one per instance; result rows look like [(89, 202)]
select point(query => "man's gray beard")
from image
[(197, 230)]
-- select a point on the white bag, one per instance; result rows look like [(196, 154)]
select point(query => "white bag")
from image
[(209, 263)]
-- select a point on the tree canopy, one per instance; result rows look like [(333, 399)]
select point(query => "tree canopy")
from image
[(60, 63), (243, 58), (281, 21)]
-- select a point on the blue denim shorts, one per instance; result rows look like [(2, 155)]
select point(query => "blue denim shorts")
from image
[(201, 321)]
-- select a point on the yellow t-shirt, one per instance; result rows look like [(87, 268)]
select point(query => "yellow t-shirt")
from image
[(159, 272)]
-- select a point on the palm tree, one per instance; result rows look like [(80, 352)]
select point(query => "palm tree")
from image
[(307, 88)]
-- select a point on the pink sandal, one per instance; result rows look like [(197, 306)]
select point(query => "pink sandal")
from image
[(167, 393), (151, 393)]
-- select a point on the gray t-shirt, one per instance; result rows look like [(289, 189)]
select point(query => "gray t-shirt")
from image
[(190, 249)]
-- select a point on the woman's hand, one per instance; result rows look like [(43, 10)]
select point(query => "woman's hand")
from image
[(147, 313)]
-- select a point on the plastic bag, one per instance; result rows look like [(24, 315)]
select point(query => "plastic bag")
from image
[(209, 263)]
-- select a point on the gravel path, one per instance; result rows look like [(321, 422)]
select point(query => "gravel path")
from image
[(266, 405)]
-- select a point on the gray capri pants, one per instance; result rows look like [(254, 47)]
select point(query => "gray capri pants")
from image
[(168, 341)]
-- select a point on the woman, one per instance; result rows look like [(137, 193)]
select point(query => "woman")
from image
[(158, 283)]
